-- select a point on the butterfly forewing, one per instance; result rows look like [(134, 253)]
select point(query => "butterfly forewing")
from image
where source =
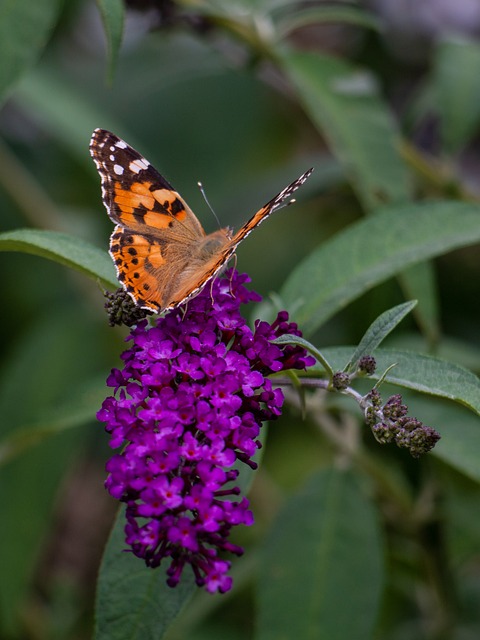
[(267, 209), (136, 195)]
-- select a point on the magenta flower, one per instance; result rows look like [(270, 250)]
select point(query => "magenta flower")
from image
[(189, 402)]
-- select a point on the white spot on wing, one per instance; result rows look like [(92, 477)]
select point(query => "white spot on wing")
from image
[(121, 144), (118, 169), (112, 158), (140, 164)]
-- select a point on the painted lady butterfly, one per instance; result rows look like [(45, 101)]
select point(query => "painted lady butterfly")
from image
[(162, 254)]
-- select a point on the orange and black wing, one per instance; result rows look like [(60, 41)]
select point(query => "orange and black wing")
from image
[(155, 229), (136, 195)]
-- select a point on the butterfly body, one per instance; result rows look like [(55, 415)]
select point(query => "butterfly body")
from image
[(161, 252)]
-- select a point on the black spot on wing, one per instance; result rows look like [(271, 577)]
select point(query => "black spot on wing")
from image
[(139, 213), (176, 206)]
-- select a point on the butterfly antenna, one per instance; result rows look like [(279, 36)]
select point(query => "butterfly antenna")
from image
[(202, 191)]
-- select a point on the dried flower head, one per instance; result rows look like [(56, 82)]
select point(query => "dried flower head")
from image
[(390, 423)]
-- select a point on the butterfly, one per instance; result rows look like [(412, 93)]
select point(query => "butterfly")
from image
[(161, 252)]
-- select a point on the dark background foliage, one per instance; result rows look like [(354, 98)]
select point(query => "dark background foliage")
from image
[(382, 98)]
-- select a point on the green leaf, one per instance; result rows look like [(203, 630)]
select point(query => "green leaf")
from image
[(66, 113), (303, 17), (133, 601), (301, 342), (25, 27), (64, 249), (322, 570), (113, 17), (73, 412), (344, 104), (373, 250), (348, 110), (457, 350), (460, 431), (420, 372), (457, 91), (378, 331), (419, 282)]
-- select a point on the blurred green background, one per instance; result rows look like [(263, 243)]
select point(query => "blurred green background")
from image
[(204, 99)]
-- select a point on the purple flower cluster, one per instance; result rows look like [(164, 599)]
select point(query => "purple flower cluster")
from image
[(189, 402)]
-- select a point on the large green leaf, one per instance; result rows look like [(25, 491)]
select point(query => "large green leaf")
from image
[(418, 282), (322, 570), (290, 20), (371, 251), (345, 105), (60, 247), (134, 602), (343, 102), (460, 431), (66, 113), (67, 414), (24, 30)]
